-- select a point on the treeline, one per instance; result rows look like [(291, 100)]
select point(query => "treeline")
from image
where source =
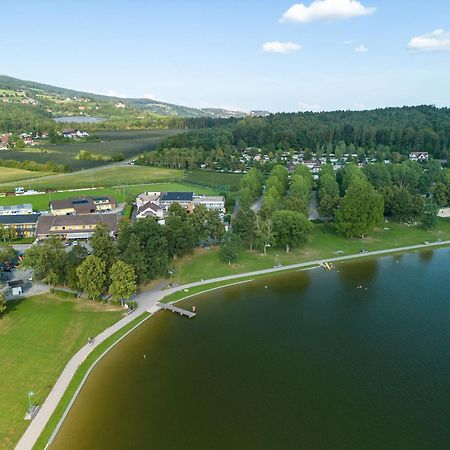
[(391, 130), (16, 118), (34, 166), (142, 252)]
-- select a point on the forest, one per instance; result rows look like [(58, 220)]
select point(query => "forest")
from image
[(389, 130)]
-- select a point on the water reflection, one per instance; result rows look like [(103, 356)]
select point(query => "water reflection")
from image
[(358, 273), (426, 255)]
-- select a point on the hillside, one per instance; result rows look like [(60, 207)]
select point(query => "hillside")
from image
[(47, 101)]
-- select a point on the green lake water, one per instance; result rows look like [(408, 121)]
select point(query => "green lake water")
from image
[(356, 358)]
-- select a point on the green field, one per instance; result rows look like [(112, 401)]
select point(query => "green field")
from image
[(206, 263), (100, 177), (8, 175), (223, 182), (38, 336), (110, 143), (127, 193)]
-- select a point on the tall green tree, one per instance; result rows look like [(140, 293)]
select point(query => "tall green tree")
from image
[(92, 276), (123, 281), (429, 215), (104, 246), (179, 236), (360, 210), (290, 228), (244, 225), (46, 259), (229, 249)]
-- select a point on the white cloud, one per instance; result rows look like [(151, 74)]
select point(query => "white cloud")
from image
[(281, 47), (349, 42), (310, 107), (438, 40), (150, 96), (326, 10), (361, 49)]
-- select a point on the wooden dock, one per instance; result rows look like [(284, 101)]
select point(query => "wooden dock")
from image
[(175, 309)]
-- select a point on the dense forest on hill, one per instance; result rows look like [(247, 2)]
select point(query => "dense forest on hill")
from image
[(419, 128)]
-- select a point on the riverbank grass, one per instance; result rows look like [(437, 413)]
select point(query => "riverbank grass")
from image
[(323, 244), (38, 336)]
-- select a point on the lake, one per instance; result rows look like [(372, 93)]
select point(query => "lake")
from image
[(79, 119), (354, 358)]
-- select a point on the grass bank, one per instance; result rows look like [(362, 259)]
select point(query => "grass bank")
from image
[(324, 243), (38, 336), (80, 375)]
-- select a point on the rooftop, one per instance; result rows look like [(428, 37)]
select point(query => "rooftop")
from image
[(177, 196), (19, 219)]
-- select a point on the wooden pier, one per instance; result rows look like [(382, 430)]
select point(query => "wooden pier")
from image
[(175, 309)]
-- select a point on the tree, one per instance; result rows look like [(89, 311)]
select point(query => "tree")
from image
[(92, 276), (441, 194), (2, 304), (328, 194), (103, 245), (143, 244), (360, 210), (229, 250), (179, 236), (177, 210), (264, 234), (46, 259), (74, 258), (400, 203), (244, 225), (123, 281), (429, 215), (290, 228), (7, 253)]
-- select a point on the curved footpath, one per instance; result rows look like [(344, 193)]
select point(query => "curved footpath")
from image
[(147, 301)]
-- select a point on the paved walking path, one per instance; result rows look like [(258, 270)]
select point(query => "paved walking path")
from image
[(148, 301)]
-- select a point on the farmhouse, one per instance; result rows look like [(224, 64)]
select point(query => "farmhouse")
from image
[(82, 205), (150, 209), (16, 209), (419, 156), (23, 224), (73, 226)]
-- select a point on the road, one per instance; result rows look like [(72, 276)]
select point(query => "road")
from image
[(313, 211), (148, 301)]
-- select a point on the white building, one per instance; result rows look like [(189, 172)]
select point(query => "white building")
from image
[(419, 156), (211, 202), (14, 210)]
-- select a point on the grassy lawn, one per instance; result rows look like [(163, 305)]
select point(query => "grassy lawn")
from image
[(8, 175), (38, 336), (206, 263), (102, 177), (215, 180), (40, 201)]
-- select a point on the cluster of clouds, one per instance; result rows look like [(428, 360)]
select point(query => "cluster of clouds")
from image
[(332, 10)]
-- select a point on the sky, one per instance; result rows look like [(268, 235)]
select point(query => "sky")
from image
[(271, 55)]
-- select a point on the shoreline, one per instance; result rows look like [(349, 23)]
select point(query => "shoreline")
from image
[(33, 433)]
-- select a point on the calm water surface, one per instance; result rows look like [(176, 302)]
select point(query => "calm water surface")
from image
[(311, 362)]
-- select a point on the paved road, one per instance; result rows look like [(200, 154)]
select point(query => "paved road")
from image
[(147, 301), (313, 211)]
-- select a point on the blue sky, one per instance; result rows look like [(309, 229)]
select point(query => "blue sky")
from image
[(210, 53)]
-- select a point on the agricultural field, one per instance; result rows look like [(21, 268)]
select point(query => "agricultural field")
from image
[(38, 336), (126, 193), (110, 144), (101, 177), (8, 175), (216, 180)]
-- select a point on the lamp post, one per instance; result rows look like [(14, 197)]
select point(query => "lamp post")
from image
[(266, 246), (276, 261), (171, 272)]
